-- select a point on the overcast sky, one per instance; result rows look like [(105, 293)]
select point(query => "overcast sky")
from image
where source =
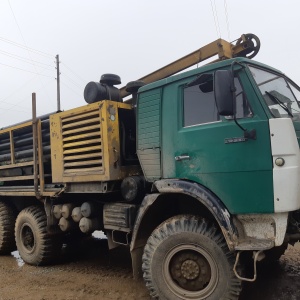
[(129, 38)]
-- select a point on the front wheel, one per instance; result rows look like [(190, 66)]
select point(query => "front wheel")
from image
[(186, 258)]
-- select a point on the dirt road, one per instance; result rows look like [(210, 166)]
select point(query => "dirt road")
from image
[(100, 274)]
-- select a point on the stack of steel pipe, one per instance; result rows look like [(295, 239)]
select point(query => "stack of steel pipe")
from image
[(89, 221), (23, 142), (65, 222), (86, 215)]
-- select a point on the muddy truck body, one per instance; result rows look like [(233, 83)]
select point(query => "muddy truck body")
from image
[(192, 173)]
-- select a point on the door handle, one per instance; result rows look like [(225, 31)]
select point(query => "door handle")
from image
[(182, 157)]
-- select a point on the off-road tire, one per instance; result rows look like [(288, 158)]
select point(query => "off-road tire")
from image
[(187, 258), (35, 245), (7, 225)]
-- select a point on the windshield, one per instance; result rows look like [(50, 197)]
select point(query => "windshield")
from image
[(281, 96)]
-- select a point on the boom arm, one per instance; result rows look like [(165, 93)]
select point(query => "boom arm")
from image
[(247, 46)]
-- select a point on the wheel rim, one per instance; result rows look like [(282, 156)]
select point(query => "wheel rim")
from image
[(27, 238), (190, 272)]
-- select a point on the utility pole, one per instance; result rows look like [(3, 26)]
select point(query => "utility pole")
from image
[(58, 82)]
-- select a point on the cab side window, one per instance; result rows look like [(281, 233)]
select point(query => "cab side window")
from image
[(199, 102), (199, 106)]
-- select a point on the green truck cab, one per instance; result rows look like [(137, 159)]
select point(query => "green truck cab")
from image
[(219, 143), (182, 123)]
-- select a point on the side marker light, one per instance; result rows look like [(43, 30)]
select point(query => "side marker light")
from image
[(279, 161)]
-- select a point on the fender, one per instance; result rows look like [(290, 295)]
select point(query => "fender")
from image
[(199, 192)]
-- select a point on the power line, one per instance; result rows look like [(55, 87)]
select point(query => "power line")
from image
[(25, 70), (215, 15), (26, 60), (216, 11), (227, 19), (13, 105), (74, 73), (17, 110), (71, 89), (71, 80), (16, 90), (17, 103), (10, 108), (25, 47), (8, 105)]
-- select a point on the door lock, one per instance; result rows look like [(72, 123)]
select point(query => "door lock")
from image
[(182, 157)]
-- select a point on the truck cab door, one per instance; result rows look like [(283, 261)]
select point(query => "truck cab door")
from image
[(200, 146)]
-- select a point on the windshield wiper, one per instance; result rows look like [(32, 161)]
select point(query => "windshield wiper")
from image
[(281, 104)]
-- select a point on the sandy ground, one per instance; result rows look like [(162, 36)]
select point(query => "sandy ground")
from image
[(100, 274)]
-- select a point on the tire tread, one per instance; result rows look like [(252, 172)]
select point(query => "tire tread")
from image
[(187, 223), (50, 246), (7, 223)]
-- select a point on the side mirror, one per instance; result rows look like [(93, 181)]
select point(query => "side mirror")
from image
[(224, 92)]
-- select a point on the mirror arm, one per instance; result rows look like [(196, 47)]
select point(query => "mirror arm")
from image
[(247, 134), (251, 135), (239, 125)]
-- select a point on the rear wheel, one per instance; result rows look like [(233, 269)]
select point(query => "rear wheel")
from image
[(7, 224), (35, 245), (186, 258)]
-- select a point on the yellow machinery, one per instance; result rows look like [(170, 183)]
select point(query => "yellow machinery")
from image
[(86, 145)]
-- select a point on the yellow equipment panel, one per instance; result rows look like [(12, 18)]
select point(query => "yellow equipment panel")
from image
[(85, 144)]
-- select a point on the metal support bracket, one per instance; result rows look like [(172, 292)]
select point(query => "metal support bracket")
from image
[(256, 258)]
